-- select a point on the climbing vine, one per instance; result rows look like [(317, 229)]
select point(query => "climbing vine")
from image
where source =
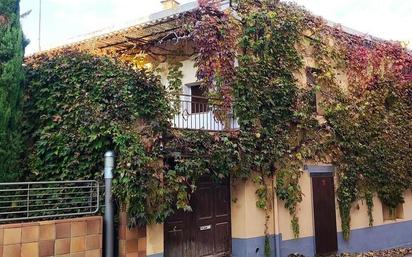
[(174, 78), (77, 106), (266, 95), (214, 35), (250, 61), (364, 129), (370, 119)]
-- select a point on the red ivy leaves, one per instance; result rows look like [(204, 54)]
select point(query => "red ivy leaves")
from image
[(209, 3), (368, 62), (214, 38)]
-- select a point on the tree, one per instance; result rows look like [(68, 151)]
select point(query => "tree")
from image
[(11, 78)]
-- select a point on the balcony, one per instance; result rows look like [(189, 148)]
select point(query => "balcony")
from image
[(194, 112)]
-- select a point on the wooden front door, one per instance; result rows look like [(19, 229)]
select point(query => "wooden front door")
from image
[(324, 214), (205, 232)]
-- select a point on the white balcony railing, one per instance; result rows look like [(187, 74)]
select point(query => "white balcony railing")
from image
[(194, 112)]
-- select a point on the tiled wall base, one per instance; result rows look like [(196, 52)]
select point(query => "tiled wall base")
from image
[(80, 237), (132, 242)]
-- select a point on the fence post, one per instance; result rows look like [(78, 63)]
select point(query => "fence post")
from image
[(108, 211)]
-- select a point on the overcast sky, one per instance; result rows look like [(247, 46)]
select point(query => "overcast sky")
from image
[(65, 19)]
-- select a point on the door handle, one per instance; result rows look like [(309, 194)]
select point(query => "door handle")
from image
[(207, 227)]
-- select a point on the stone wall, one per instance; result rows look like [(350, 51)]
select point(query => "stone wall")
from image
[(79, 237)]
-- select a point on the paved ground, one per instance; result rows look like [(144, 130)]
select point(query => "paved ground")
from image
[(398, 252)]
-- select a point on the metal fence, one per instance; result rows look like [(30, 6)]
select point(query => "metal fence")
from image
[(197, 113), (41, 200)]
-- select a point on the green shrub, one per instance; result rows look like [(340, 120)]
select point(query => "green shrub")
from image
[(77, 106)]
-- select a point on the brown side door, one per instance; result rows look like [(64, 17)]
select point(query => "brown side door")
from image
[(324, 213), (206, 231)]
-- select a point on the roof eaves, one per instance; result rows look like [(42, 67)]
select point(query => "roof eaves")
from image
[(164, 16), (141, 23)]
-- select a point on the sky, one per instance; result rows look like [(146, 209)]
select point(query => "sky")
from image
[(64, 20)]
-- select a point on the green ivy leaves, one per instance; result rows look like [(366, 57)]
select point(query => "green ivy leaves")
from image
[(266, 100), (77, 106)]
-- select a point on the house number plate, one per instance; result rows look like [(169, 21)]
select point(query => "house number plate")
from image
[(207, 227)]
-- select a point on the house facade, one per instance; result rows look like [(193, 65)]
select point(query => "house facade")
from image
[(225, 220)]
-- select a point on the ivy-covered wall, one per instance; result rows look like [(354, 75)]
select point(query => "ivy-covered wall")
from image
[(364, 130), (77, 106)]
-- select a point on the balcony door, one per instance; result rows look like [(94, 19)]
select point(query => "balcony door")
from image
[(199, 99)]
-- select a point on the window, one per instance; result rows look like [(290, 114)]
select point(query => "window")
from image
[(311, 77), (392, 213), (199, 99), (169, 163)]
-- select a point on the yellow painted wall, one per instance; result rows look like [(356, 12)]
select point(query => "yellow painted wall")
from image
[(247, 219), (359, 213), (360, 219), (304, 212), (154, 239)]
